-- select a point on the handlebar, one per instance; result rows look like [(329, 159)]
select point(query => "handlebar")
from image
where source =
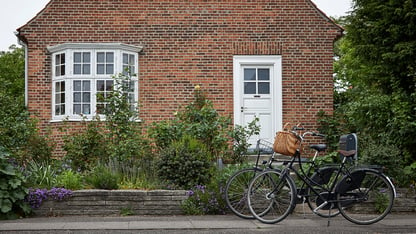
[(300, 128)]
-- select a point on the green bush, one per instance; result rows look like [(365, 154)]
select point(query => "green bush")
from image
[(84, 150), (12, 190), (200, 120), (185, 163), (70, 180), (101, 177)]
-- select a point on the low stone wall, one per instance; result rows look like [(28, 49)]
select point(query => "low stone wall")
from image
[(405, 201), (155, 202), (116, 202)]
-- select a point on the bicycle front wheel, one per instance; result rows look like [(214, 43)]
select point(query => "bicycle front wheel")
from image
[(365, 196), (236, 192), (271, 196)]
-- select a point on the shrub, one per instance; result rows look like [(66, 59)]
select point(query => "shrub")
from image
[(12, 190), (101, 177), (84, 150), (70, 180), (185, 163), (198, 119)]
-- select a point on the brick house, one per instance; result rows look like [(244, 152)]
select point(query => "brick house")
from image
[(266, 58)]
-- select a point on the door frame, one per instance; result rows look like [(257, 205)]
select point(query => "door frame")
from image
[(276, 85)]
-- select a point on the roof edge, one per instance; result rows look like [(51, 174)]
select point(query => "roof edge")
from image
[(325, 16)]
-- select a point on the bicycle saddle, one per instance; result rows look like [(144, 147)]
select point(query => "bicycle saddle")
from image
[(346, 153), (318, 147)]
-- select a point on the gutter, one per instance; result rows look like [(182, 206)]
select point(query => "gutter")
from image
[(20, 41)]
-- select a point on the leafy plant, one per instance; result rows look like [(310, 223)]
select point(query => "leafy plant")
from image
[(202, 200), (198, 119), (240, 136), (12, 189), (101, 177), (70, 180), (84, 150), (41, 174), (126, 211), (185, 163)]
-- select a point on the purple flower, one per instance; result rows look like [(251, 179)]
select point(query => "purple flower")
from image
[(37, 196)]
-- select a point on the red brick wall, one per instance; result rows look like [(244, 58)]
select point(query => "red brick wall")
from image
[(188, 43)]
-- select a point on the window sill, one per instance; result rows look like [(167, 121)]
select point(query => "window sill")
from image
[(67, 119)]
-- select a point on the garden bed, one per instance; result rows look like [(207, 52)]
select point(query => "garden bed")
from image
[(115, 202)]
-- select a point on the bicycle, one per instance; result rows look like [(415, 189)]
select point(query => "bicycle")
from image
[(363, 195), (237, 185)]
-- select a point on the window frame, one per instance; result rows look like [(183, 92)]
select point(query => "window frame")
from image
[(69, 50)]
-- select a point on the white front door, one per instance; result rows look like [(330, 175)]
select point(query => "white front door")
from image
[(257, 93)]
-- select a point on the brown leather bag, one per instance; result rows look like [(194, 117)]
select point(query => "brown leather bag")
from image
[(286, 142)]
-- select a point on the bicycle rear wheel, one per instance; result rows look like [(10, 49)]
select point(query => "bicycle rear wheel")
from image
[(271, 196), (236, 191), (324, 179), (365, 196)]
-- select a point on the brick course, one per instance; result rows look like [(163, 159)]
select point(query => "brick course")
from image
[(188, 43)]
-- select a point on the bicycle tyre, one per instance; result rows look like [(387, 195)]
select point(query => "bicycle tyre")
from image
[(365, 196), (271, 196), (324, 178), (236, 191)]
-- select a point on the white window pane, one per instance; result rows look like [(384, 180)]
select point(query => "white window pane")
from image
[(100, 57), (62, 97), (86, 69), (249, 88), (264, 74), (86, 85), (77, 97), (77, 69), (86, 109), (77, 85), (110, 57), (86, 97), (125, 59), (57, 86), (100, 85), (249, 74), (110, 69), (86, 57), (264, 88), (100, 68), (77, 109), (77, 58), (109, 86)]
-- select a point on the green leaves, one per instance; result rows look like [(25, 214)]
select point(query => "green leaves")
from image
[(376, 71), (12, 189)]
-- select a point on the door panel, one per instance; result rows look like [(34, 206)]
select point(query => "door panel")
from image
[(258, 93)]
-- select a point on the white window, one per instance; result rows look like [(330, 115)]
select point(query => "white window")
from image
[(82, 77)]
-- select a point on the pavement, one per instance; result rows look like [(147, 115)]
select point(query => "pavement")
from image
[(296, 223)]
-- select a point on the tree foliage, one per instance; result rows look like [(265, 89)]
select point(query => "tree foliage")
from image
[(377, 73)]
